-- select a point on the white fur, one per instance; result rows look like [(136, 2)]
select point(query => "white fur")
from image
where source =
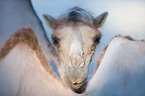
[(122, 70), (21, 74), (76, 45)]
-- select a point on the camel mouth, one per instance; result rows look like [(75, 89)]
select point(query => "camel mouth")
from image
[(79, 87)]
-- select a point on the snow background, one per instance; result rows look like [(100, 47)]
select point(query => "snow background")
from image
[(126, 17)]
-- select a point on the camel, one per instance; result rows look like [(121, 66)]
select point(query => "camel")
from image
[(122, 69), (75, 34)]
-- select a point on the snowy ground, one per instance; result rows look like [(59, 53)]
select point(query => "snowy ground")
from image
[(126, 17)]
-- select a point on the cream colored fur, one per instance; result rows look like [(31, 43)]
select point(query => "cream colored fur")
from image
[(22, 74), (121, 71)]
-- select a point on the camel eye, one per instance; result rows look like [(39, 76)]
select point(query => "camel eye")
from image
[(96, 39), (55, 39)]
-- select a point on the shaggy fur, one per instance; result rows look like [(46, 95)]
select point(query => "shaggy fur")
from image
[(26, 35)]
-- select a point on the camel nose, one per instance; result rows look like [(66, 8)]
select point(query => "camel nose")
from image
[(76, 85), (77, 61)]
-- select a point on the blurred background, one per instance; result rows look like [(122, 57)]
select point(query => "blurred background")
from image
[(126, 17)]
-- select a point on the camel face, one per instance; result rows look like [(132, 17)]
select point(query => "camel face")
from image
[(76, 48), (75, 35)]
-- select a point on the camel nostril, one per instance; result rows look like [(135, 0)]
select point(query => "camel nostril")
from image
[(75, 83)]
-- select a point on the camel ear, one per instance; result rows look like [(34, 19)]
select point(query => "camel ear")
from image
[(99, 21), (49, 20)]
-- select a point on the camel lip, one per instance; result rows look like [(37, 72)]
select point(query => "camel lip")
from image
[(81, 88), (78, 85)]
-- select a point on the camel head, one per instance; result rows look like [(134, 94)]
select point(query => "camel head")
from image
[(75, 35)]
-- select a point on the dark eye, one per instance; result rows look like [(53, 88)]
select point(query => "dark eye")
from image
[(55, 39), (96, 39)]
